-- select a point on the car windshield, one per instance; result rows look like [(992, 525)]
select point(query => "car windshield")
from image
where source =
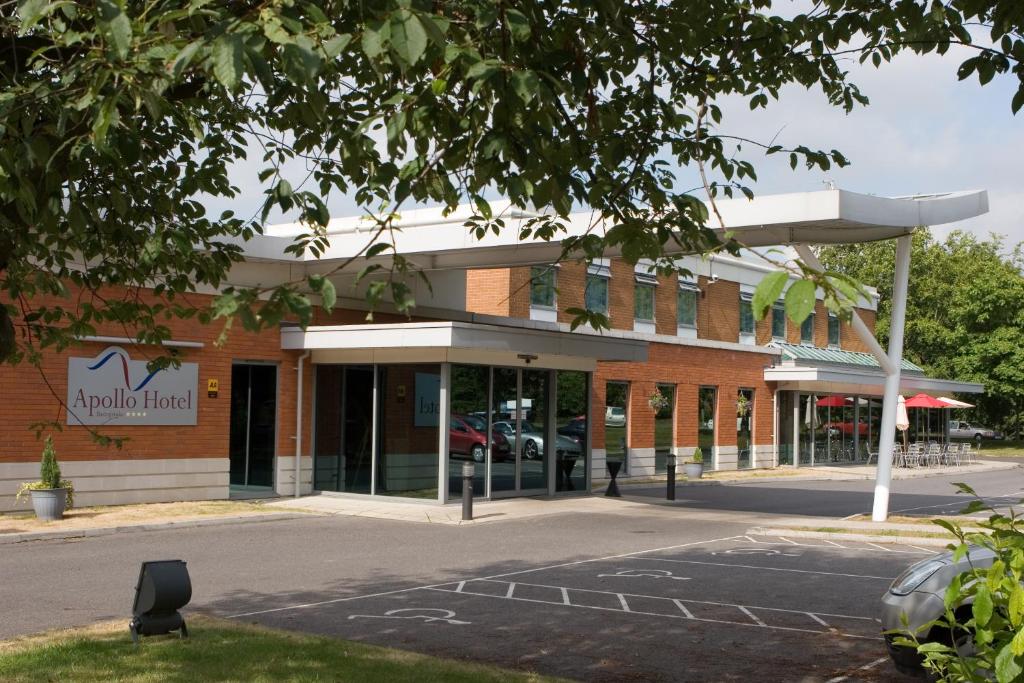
[(476, 422)]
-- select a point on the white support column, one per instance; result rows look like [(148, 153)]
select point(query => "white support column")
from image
[(883, 477)]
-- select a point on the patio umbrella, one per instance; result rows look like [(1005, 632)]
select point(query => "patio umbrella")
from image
[(953, 403), (925, 401), (833, 402), (902, 420)]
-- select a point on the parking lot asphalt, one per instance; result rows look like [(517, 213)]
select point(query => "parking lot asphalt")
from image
[(735, 608), (911, 497)]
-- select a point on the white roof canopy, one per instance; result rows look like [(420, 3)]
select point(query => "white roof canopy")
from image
[(433, 241), (866, 382)]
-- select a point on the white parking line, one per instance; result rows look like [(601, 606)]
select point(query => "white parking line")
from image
[(818, 619), (833, 546), (770, 569), (397, 591), (866, 667), (751, 615), (880, 547), (685, 613)]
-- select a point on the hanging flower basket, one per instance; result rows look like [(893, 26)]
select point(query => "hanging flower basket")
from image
[(659, 401)]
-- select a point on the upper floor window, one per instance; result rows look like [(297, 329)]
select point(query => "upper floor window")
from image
[(643, 302), (833, 330), (807, 330), (542, 286), (779, 321), (686, 305), (595, 296), (746, 313)]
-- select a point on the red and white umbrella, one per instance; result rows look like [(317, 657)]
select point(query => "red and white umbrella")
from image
[(834, 401), (925, 401)]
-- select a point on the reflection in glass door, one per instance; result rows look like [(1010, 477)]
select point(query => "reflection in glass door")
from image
[(253, 425), (503, 399), (533, 431), (468, 429)]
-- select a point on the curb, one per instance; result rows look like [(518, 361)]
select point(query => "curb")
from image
[(863, 538), (10, 539)]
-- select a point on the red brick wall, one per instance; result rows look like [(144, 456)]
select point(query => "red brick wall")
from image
[(689, 369), (718, 310), (849, 340), (571, 282), (487, 291)]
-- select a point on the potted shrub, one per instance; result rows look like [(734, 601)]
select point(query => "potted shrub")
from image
[(694, 467), (51, 495)]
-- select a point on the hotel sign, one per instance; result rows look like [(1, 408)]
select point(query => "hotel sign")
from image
[(113, 389)]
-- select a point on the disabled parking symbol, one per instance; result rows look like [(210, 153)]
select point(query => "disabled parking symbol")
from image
[(428, 615), (644, 574)]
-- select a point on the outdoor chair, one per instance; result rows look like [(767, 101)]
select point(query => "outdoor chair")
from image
[(967, 453), (933, 456)]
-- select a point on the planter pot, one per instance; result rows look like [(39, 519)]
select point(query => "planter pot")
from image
[(693, 470), (49, 504)]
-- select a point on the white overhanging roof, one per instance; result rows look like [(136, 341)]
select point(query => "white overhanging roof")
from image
[(433, 241), (459, 342)]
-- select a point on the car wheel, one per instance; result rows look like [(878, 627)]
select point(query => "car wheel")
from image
[(477, 452), (530, 449)]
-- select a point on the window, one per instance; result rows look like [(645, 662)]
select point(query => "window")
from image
[(686, 305), (542, 286), (616, 401), (807, 330), (746, 313), (707, 398), (643, 302), (778, 322), (595, 297), (833, 329)]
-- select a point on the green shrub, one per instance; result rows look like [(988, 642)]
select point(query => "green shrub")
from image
[(698, 456), (49, 470), (984, 605)]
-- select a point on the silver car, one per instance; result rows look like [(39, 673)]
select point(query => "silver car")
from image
[(533, 440), (917, 593)]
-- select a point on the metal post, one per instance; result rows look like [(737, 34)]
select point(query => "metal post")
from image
[(670, 469), (883, 478), (467, 491)]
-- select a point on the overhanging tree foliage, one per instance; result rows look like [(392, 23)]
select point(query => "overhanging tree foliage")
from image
[(119, 118), (965, 312)]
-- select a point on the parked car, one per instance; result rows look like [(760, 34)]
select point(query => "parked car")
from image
[(466, 437), (918, 594), (958, 429), (615, 416), (575, 429), (533, 440)]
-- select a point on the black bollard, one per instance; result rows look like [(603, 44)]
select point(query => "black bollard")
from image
[(467, 491), (613, 487), (670, 470)]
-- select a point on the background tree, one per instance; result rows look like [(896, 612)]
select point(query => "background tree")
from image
[(118, 118), (965, 312)]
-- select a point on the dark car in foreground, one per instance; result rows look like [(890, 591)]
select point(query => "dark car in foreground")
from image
[(917, 594)]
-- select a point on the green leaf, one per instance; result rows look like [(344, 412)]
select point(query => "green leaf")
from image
[(408, 37), (518, 24), (328, 295), (1007, 666), (372, 43), (800, 300), (768, 291), (982, 607), (227, 60), (336, 45), (1016, 605), (525, 84), (117, 29)]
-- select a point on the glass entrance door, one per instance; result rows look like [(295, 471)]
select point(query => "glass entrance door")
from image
[(253, 425), (520, 404)]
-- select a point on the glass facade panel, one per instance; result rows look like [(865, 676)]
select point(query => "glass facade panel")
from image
[(596, 294), (503, 400), (686, 307), (533, 431), (643, 302), (744, 427), (253, 425), (746, 315), (807, 330), (833, 330), (786, 403), (707, 398), (572, 434), (342, 452), (807, 428), (467, 440), (664, 410), (542, 286), (616, 401), (409, 408), (778, 321)]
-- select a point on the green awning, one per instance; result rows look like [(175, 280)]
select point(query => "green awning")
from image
[(813, 354)]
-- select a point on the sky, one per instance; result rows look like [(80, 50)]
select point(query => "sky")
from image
[(923, 132)]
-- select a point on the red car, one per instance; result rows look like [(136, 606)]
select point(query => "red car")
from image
[(466, 437)]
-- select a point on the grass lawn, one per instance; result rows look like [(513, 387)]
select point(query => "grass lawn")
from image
[(1001, 448), (220, 650)]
